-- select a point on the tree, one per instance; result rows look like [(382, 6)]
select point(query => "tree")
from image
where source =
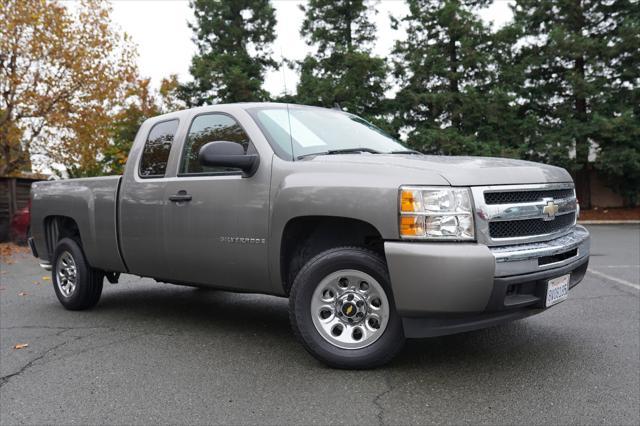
[(233, 38), (61, 75), (140, 106), (446, 71), (342, 71), (617, 116), (575, 71), (142, 103)]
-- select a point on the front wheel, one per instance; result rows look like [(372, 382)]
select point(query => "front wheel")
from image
[(342, 309), (77, 285)]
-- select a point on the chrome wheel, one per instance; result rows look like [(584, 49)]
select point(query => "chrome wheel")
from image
[(66, 274), (350, 309)]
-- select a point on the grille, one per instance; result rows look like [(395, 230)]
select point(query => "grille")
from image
[(528, 227), (525, 196)]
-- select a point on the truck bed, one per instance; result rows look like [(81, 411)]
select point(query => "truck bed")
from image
[(92, 204)]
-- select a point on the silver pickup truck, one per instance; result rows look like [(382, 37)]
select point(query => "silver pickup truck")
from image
[(371, 242)]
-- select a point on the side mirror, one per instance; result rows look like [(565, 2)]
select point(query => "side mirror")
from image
[(227, 154)]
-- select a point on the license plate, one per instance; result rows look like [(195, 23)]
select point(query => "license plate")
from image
[(557, 290)]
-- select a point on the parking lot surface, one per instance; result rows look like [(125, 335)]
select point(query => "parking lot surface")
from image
[(158, 353)]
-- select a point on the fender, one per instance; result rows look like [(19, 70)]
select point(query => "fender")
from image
[(306, 188)]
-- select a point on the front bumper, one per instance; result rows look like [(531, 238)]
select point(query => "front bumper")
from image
[(444, 288)]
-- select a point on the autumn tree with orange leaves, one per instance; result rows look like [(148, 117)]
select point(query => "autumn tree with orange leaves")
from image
[(142, 103), (64, 73)]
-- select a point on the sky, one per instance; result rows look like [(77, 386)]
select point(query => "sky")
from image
[(159, 29)]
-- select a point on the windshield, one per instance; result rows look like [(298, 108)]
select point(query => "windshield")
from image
[(301, 131)]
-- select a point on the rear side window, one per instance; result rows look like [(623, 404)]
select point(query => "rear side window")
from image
[(155, 154), (210, 128)]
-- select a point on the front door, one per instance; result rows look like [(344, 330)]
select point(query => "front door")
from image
[(216, 218)]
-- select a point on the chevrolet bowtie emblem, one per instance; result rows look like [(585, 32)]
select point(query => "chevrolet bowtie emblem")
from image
[(550, 210)]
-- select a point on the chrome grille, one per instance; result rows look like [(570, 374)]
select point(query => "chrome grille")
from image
[(523, 228), (518, 214), (525, 196)]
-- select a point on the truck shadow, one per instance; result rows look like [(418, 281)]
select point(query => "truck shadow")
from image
[(184, 309), (220, 317)]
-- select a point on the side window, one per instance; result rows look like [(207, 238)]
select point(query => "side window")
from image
[(155, 154), (210, 128)]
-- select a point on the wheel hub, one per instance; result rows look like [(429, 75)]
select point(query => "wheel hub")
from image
[(66, 272), (351, 307)]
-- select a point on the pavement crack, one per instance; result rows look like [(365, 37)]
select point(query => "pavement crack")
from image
[(5, 379), (377, 400), (51, 327), (115, 342)]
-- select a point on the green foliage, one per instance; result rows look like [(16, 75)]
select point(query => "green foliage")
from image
[(342, 71), (619, 155), (337, 25), (446, 72), (233, 38), (574, 70), (142, 103)]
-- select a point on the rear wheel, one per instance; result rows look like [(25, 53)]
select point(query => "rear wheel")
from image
[(342, 309), (77, 285)]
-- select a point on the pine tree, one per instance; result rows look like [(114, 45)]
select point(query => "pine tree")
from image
[(233, 38), (342, 71), (446, 71), (575, 71)]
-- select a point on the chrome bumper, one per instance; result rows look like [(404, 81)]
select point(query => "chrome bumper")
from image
[(525, 258), (445, 278)]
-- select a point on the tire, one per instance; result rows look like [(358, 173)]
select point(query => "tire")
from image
[(85, 294), (324, 296)]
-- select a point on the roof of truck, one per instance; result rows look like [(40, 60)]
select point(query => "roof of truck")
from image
[(229, 107)]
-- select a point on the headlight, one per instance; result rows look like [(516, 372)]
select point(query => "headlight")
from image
[(436, 213)]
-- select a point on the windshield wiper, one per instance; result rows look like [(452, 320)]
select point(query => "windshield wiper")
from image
[(341, 151), (352, 150), (407, 151)]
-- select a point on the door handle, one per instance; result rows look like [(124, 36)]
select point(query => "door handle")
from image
[(180, 196)]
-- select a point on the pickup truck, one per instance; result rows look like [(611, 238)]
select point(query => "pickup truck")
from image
[(371, 242)]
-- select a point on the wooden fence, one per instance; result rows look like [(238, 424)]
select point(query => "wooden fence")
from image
[(14, 195)]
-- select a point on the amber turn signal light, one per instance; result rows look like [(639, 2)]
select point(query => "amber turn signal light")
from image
[(411, 226), (409, 201)]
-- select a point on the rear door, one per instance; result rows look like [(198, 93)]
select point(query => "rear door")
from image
[(216, 229), (142, 200)]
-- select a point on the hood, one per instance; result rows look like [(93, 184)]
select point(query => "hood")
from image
[(458, 171)]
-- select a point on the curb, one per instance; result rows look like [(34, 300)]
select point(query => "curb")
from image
[(608, 222)]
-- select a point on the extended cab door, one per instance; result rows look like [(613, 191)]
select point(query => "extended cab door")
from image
[(142, 198), (217, 224)]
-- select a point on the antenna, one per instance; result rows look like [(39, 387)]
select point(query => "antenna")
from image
[(284, 76)]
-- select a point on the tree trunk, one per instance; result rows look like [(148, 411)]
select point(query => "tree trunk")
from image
[(456, 120), (5, 162), (583, 181)]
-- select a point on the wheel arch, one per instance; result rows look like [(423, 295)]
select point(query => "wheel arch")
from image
[(57, 227), (304, 237)]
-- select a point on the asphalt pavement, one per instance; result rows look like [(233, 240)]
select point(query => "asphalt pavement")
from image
[(154, 353)]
